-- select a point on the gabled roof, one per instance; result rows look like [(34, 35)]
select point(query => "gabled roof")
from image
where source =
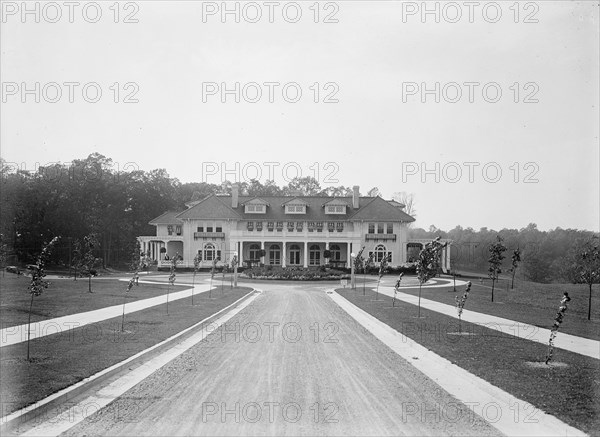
[(379, 209), (337, 201), (168, 218), (254, 201), (211, 207), (295, 201)]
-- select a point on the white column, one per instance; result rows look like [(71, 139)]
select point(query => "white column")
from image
[(262, 247), (283, 254), (306, 254), (348, 257)]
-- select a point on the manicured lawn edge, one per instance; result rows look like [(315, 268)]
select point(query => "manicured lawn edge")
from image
[(570, 393), (57, 371), (65, 297), (535, 306)]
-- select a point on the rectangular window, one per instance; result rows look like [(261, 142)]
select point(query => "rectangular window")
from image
[(200, 229), (371, 228), (299, 226), (340, 209), (250, 208), (259, 226), (209, 229), (380, 228), (178, 230), (170, 229), (250, 226), (340, 226), (390, 228), (260, 208), (219, 229), (270, 226)]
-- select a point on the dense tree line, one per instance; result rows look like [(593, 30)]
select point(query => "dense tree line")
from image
[(89, 196), (546, 256)]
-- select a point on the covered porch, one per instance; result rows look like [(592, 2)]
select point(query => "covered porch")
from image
[(295, 253)]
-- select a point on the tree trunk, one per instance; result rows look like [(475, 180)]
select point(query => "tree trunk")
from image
[(29, 325), (419, 313), (512, 284), (89, 282), (493, 282), (590, 303)]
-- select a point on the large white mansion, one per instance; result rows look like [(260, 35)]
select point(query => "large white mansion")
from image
[(292, 231)]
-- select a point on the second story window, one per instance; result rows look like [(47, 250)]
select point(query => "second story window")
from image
[(380, 228), (209, 229), (178, 230), (170, 229), (218, 229), (371, 228), (200, 229), (390, 228)]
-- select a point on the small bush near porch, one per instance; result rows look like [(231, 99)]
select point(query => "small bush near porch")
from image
[(295, 273)]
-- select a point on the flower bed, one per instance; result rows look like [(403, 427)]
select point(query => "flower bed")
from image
[(321, 273)]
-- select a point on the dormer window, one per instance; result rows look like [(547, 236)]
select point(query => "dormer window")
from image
[(255, 209), (335, 209), (256, 206), (295, 209)]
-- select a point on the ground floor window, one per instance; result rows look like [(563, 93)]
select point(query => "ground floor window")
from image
[(294, 254), (275, 254), (254, 251), (209, 252), (380, 253), (314, 255), (336, 253)]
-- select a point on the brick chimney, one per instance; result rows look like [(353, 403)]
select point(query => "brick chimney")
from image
[(355, 197), (235, 194)]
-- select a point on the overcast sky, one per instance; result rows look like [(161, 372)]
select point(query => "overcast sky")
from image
[(371, 66)]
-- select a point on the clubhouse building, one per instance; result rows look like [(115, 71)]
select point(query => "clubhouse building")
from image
[(287, 230)]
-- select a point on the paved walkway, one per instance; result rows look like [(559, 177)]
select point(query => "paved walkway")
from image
[(507, 413), (579, 345), (18, 334)]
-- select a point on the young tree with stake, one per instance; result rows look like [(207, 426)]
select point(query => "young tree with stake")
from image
[(38, 284), (197, 261), (427, 264), (460, 304), (172, 276), (383, 265), (558, 319), (397, 288), (496, 250), (515, 260), (583, 266)]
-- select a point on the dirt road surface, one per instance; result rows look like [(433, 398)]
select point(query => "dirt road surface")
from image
[(291, 363)]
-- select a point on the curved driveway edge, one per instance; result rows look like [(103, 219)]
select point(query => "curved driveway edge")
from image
[(505, 412), (145, 362)]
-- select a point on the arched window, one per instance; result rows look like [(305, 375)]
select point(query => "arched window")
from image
[(209, 252), (294, 254), (314, 255), (336, 253), (254, 249), (274, 254), (380, 253)]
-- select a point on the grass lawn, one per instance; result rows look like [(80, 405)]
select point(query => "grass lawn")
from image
[(65, 296), (61, 360), (530, 302), (569, 393)]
